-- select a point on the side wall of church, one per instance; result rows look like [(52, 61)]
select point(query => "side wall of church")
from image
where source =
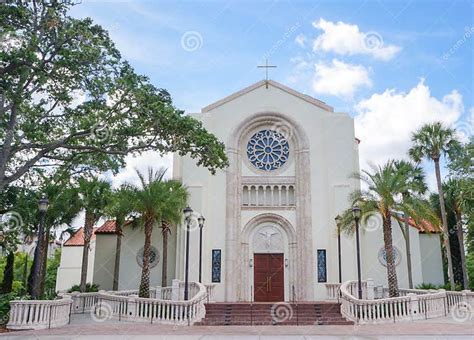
[(130, 270), (69, 271)]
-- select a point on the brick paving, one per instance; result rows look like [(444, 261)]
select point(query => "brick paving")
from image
[(82, 326)]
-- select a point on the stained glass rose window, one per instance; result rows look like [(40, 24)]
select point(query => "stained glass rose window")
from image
[(268, 150)]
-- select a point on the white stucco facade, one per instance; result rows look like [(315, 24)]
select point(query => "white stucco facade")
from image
[(69, 271), (322, 155), (287, 209)]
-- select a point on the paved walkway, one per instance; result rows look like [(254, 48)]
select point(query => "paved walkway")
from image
[(83, 327)]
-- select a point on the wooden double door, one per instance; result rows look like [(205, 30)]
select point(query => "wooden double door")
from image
[(269, 279)]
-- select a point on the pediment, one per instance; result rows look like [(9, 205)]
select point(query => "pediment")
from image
[(271, 83)]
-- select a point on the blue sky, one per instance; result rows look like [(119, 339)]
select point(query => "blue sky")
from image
[(395, 63)]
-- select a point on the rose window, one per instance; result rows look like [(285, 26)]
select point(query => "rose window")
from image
[(268, 150)]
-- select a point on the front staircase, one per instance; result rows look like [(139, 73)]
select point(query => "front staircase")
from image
[(311, 313)]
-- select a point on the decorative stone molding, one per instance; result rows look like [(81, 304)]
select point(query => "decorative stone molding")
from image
[(237, 265)]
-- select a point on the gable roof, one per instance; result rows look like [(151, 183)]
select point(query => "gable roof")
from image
[(275, 84), (77, 239), (424, 227), (109, 227)]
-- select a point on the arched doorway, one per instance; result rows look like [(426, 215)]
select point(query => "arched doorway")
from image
[(268, 259), (269, 252)]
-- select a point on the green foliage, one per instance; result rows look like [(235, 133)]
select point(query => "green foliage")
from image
[(432, 141), (427, 286), (156, 201), (470, 269), (90, 288), (72, 104), (51, 273), (5, 299)]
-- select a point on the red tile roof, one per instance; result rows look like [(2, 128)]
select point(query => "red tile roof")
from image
[(424, 227), (107, 228), (77, 239)]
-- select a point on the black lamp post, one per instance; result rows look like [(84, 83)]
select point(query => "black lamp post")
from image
[(338, 225), (356, 214), (201, 221), (187, 215), (43, 205)]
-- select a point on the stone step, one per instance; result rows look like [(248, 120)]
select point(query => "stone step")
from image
[(317, 313)]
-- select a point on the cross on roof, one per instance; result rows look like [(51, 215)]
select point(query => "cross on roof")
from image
[(266, 67)]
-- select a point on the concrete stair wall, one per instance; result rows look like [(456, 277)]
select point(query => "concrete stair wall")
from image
[(317, 313)]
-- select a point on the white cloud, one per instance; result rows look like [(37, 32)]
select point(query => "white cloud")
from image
[(346, 39), (465, 127), (385, 121), (339, 79), (142, 163), (300, 40)]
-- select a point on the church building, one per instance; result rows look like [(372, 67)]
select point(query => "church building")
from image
[(269, 231)]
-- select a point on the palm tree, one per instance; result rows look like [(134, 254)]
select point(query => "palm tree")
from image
[(119, 208), (94, 194), (156, 200), (384, 186), (453, 193), (432, 141), (415, 183)]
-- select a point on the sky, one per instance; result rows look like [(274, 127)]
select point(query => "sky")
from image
[(392, 65)]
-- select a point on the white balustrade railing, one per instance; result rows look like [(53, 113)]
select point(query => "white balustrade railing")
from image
[(39, 314), (412, 304), (332, 291), (152, 310)]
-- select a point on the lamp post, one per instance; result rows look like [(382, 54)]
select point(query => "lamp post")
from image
[(43, 205), (356, 214), (201, 221), (187, 215), (338, 225)]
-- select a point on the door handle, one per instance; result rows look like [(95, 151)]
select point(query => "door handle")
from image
[(270, 283)]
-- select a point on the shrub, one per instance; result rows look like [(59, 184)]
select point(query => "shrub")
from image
[(426, 286), (90, 288)]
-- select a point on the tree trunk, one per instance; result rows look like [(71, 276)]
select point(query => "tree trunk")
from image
[(144, 291), (445, 224), (462, 253), (30, 276), (88, 229), (44, 264), (164, 271), (391, 270), (408, 250), (7, 283), (118, 248)]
